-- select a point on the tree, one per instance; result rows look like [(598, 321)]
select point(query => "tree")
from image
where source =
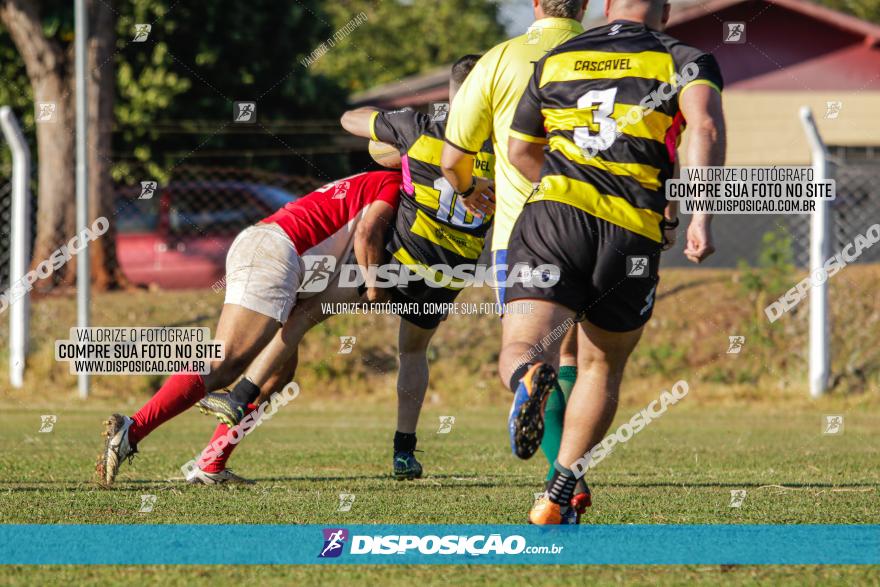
[(401, 38), (217, 57), (48, 63), (43, 37), (209, 55), (865, 9)]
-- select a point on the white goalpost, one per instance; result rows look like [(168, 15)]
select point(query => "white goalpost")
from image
[(820, 250), (19, 243)]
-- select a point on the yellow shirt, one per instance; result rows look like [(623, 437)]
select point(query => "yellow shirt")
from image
[(485, 104)]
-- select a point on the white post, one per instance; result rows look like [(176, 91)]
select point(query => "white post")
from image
[(820, 237), (83, 275), (19, 244)]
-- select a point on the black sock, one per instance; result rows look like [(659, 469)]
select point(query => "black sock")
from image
[(561, 485), (245, 391), (517, 375), (404, 441)]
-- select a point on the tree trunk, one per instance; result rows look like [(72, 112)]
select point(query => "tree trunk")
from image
[(106, 273), (50, 70), (47, 68)]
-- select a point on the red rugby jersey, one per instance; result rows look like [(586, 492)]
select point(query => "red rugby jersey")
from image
[(323, 222)]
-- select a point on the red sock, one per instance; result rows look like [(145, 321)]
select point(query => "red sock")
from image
[(179, 393), (218, 463)]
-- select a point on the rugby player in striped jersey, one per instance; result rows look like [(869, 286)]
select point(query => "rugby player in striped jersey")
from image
[(597, 129)]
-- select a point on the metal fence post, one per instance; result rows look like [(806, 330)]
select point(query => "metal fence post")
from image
[(19, 244), (820, 236), (83, 273)]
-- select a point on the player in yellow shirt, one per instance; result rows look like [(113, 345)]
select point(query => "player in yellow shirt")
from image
[(598, 127), (483, 108)]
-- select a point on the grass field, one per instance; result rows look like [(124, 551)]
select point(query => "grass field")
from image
[(681, 469), (747, 423)]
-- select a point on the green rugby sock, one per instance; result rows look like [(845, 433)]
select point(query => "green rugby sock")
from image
[(554, 415), (566, 378)]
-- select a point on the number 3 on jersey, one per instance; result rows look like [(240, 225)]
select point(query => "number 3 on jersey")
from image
[(601, 105)]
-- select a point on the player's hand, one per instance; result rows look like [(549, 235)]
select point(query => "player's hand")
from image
[(378, 295), (670, 235), (699, 240), (481, 202)]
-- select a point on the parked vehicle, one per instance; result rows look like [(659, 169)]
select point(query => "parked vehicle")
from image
[(178, 238)]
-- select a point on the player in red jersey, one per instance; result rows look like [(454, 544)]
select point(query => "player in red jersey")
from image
[(265, 272)]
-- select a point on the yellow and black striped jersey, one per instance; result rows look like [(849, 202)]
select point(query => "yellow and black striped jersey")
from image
[(606, 105), (432, 225)]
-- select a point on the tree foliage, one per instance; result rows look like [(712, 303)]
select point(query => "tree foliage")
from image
[(865, 9), (404, 37)]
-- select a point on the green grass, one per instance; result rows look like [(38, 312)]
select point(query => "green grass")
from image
[(687, 337), (679, 470), (747, 423)]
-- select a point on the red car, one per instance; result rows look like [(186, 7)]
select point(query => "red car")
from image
[(178, 238)]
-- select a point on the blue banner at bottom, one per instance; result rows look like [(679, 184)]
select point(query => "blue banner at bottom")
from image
[(439, 544)]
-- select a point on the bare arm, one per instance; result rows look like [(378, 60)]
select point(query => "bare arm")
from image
[(457, 167), (357, 121), (527, 157), (369, 245), (707, 144)]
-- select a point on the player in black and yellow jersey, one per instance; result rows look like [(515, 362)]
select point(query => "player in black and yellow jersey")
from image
[(432, 227), (598, 127)]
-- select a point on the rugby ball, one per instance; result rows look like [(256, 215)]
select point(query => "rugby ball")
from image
[(384, 154)]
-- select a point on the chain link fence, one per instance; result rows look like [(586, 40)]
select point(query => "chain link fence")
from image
[(5, 228), (175, 234)]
